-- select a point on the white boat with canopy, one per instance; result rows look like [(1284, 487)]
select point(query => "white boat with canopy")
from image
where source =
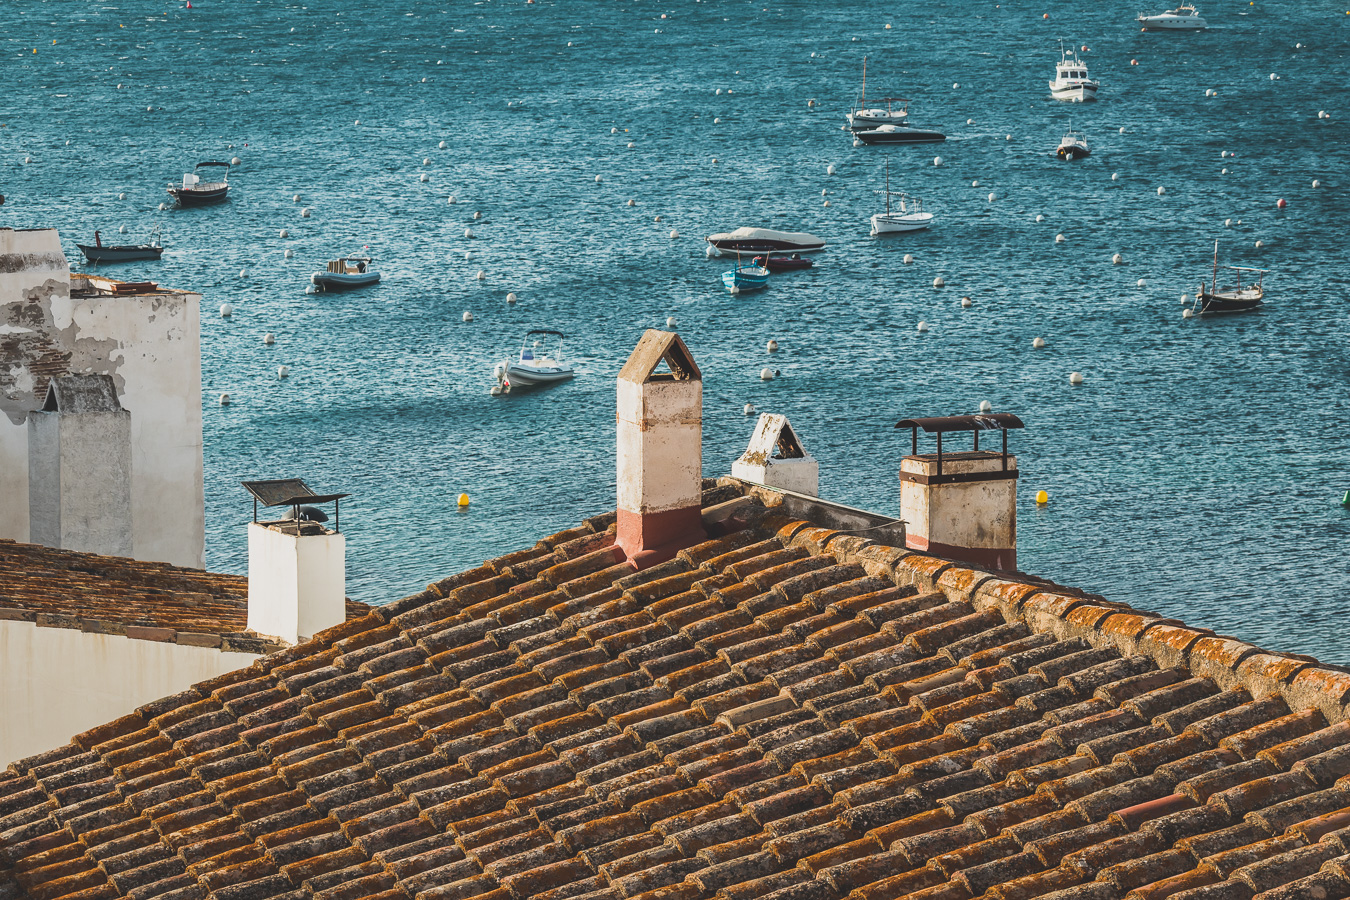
[(909, 215), (1071, 79), (1184, 18), (764, 240)]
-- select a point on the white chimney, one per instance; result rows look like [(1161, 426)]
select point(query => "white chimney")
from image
[(962, 504), (79, 467), (776, 459), (660, 451), (297, 568)]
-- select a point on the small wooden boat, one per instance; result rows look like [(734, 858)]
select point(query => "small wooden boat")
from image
[(1071, 79), (535, 364), (899, 134), (763, 240), (784, 263), (1236, 297), (910, 216), (346, 273), (195, 192), (746, 278), (1183, 18), (1073, 145), (863, 116), (103, 253)]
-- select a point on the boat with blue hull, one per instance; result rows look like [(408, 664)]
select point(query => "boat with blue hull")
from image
[(345, 274), (753, 277), (99, 252)]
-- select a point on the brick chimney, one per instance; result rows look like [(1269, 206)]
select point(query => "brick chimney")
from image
[(79, 467), (962, 504), (660, 451)]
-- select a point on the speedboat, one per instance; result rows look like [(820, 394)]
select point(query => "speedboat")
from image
[(1073, 145), (863, 116), (1230, 298), (753, 277), (784, 263), (1071, 79), (101, 252), (910, 216), (1183, 18), (763, 240), (346, 273), (195, 192), (899, 134), (535, 364)]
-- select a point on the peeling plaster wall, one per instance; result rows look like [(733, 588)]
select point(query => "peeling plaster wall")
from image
[(58, 682), (150, 344)]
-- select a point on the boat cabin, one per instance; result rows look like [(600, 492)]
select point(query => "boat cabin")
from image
[(349, 265)]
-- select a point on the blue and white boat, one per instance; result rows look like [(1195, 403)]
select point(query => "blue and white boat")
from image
[(345, 274), (753, 277), (536, 364)]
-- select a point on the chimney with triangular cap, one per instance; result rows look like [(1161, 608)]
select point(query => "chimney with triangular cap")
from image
[(775, 458), (660, 451)]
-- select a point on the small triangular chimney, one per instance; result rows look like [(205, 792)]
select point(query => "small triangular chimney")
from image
[(775, 458), (660, 450)]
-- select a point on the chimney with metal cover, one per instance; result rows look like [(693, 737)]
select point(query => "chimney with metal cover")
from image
[(297, 567), (660, 451), (962, 504)]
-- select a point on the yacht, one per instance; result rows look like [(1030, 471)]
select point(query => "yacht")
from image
[(1071, 79), (1183, 18)]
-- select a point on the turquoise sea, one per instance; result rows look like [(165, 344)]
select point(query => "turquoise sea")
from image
[(1196, 472)]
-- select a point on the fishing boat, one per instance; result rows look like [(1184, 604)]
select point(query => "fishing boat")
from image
[(863, 116), (1235, 297), (899, 134), (195, 192), (909, 217), (100, 252), (753, 277), (346, 273), (535, 364), (791, 263), (1184, 18), (1073, 145), (763, 240), (1071, 78)]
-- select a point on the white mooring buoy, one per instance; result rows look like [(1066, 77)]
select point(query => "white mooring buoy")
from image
[(451, 201), (304, 213), (908, 258), (1139, 283), (1059, 238), (511, 297), (441, 145), (477, 215), (672, 322), (243, 273), (766, 374), (921, 327), (1040, 218), (289, 253), (1038, 342), (986, 406), (224, 399), (468, 232), (829, 170), (481, 276), (965, 303), (771, 346), (283, 371), (939, 282), (748, 409), (1117, 260), (283, 234), (1187, 313), (674, 234), (1161, 190), (269, 339), (937, 160), (226, 310), (467, 317), (1075, 378), (1185, 298)]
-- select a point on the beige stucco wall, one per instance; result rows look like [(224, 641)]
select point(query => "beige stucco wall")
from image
[(58, 682), (975, 514), (150, 344)]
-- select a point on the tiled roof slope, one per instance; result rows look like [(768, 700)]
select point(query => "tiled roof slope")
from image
[(782, 712), (115, 595)]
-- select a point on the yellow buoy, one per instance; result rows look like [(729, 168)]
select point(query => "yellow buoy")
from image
[(463, 499), (1042, 498)]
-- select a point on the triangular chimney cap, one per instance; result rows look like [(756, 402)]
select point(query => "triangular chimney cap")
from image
[(82, 394), (654, 347), (773, 433)]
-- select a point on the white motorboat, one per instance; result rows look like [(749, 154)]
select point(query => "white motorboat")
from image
[(346, 273), (899, 134), (763, 240), (1183, 18), (909, 217), (1073, 145), (862, 116), (535, 364), (1071, 79)]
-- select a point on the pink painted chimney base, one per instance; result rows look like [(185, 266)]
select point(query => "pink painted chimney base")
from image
[(647, 539)]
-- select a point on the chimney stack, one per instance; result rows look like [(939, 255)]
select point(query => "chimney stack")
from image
[(660, 451), (79, 467), (775, 458), (297, 568), (962, 505)]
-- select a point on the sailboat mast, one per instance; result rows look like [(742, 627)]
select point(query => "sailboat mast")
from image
[(888, 185), (1214, 278), (863, 104)]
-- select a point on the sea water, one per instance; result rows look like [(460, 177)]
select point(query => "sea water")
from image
[(1196, 472)]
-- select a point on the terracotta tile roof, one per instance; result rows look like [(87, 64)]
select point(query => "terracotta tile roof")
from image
[(782, 712), (114, 595)]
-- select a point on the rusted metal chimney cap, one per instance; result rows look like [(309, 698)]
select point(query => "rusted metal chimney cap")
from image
[(981, 422)]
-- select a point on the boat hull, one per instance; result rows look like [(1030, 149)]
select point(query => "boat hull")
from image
[(864, 121), (740, 280), (1071, 153), (529, 376), (784, 263), (332, 281), (900, 136), (1076, 94), (1244, 301), (884, 224), (1172, 23), (198, 197), (120, 254)]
